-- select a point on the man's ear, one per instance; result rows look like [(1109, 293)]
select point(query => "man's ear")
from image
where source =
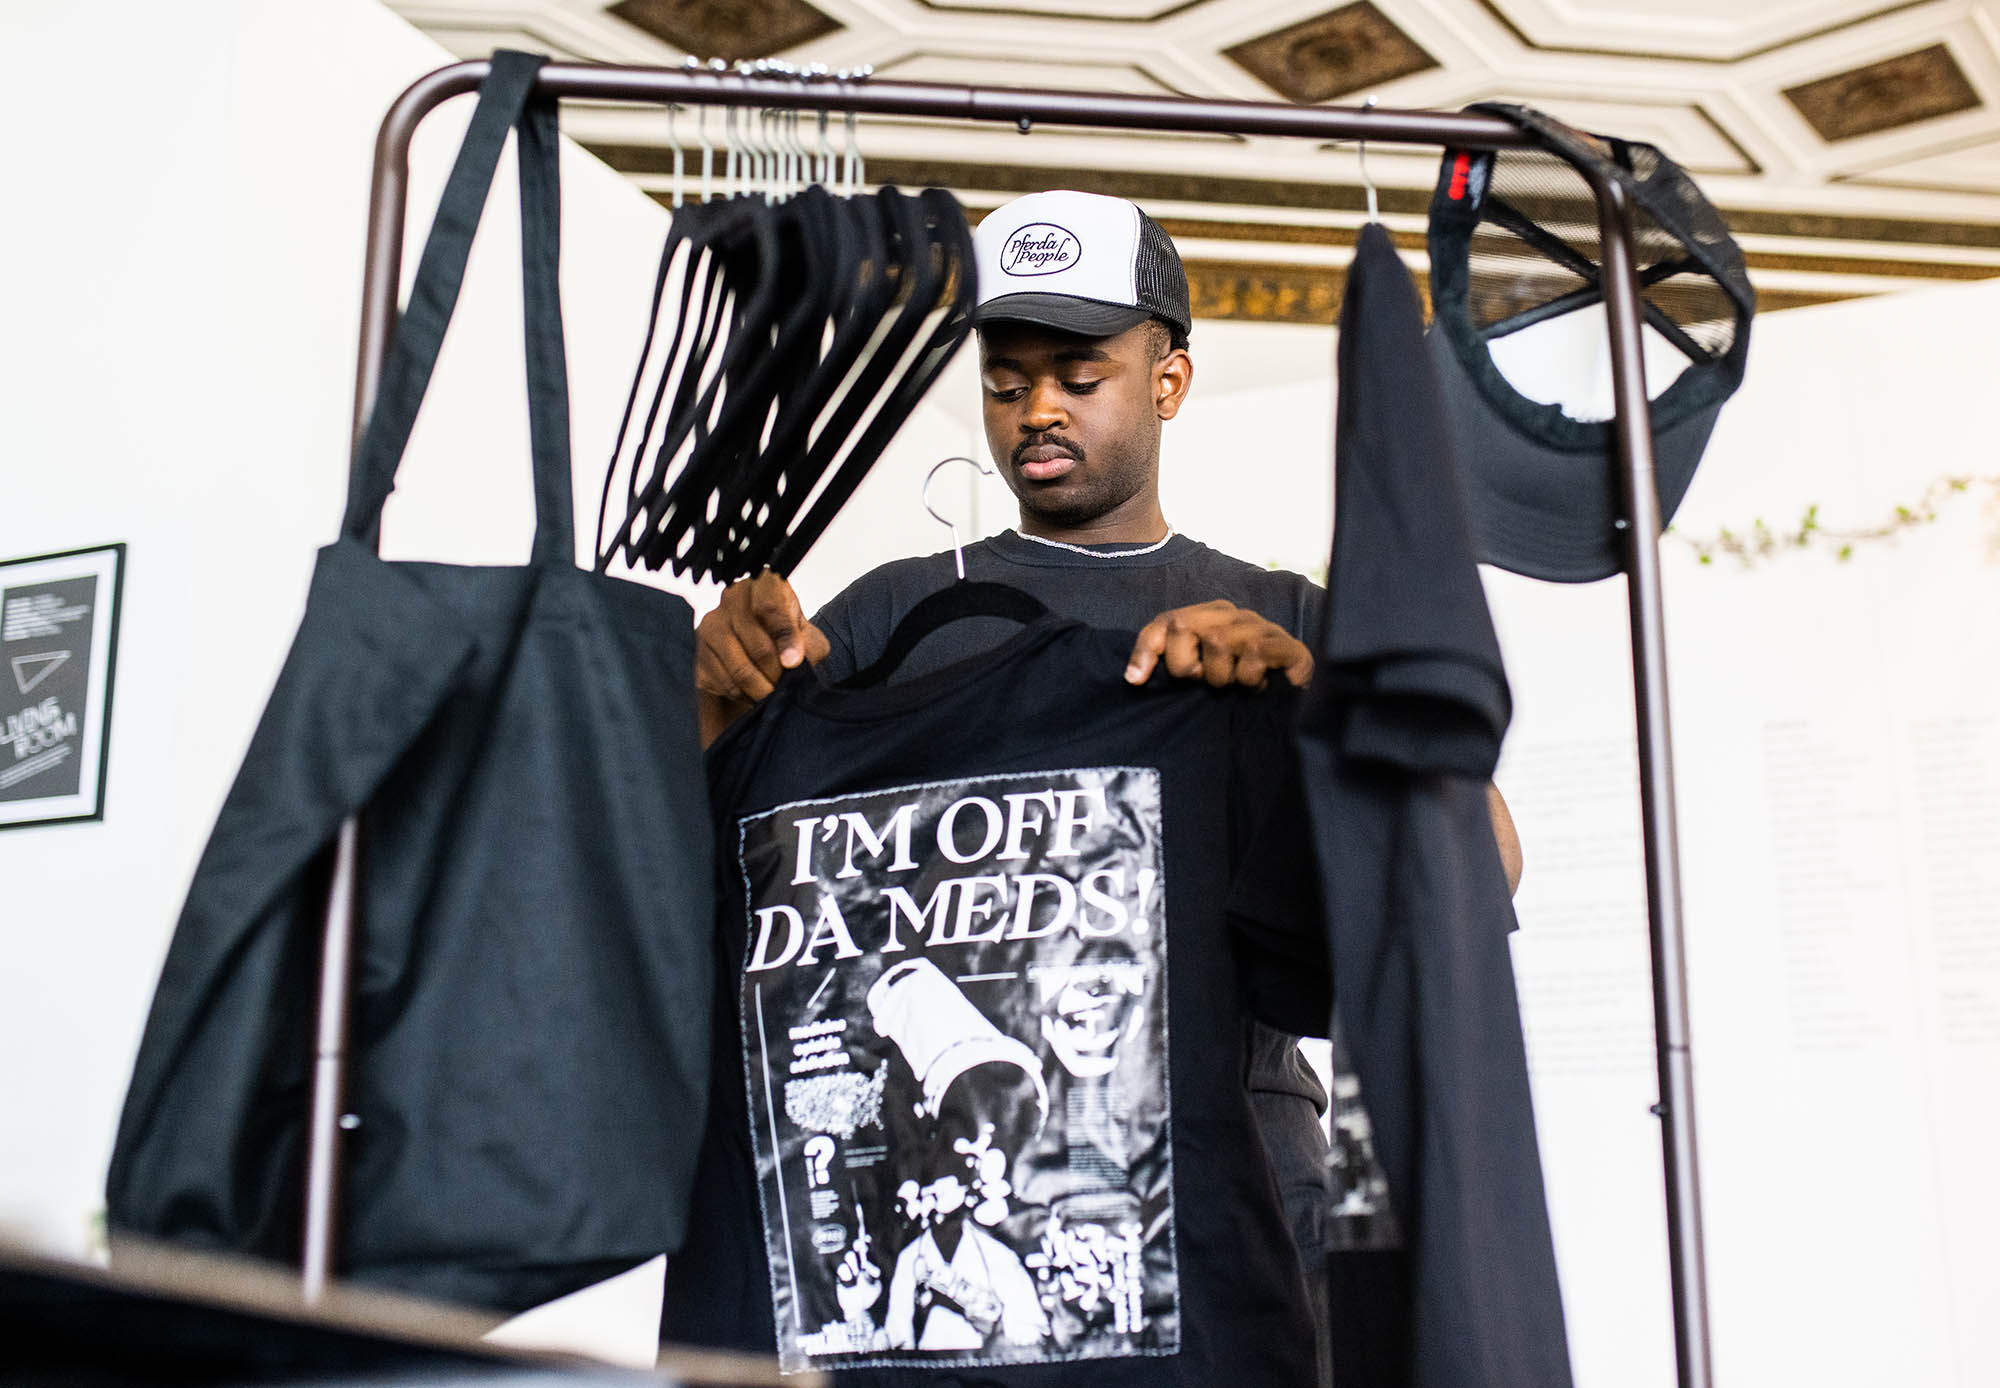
[(1173, 377)]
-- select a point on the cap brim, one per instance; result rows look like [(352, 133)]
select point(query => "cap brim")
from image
[(1064, 313), (1545, 511)]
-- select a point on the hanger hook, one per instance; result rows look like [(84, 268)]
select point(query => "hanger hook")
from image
[(851, 164), (1374, 208), (707, 153), (767, 152), (730, 166), (797, 149), (957, 549), (673, 137)]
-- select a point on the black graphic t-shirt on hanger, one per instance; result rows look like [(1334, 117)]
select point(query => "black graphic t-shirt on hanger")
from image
[(988, 1012)]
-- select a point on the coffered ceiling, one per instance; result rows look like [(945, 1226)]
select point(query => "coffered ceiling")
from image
[(1853, 145)]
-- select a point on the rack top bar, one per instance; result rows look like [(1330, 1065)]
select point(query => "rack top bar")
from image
[(697, 86)]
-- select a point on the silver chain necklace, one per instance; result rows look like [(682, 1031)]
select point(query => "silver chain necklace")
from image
[(1100, 553)]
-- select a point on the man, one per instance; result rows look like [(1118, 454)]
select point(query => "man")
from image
[(1083, 349)]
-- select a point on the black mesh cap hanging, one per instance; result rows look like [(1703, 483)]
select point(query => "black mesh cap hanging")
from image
[(1514, 243)]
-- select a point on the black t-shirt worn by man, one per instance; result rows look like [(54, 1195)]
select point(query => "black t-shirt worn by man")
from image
[(1119, 588), (978, 1114)]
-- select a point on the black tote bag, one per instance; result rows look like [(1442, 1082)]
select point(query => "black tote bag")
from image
[(529, 1051)]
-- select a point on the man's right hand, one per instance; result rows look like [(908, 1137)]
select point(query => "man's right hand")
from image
[(756, 633)]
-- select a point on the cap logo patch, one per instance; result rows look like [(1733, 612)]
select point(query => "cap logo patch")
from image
[(1040, 248)]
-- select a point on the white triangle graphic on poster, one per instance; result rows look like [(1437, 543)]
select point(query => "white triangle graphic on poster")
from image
[(43, 665)]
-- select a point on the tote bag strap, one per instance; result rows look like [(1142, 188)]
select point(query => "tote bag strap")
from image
[(505, 101)]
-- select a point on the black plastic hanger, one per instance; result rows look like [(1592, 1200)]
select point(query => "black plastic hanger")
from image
[(694, 286), (967, 598), (746, 238), (863, 270), (737, 434), (949, 268)]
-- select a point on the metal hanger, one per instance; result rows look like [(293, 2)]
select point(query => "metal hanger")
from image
[(1361, 150), (732, 166), (954, 602), (673, 137), (801, 158), (707, 154), (957, 548)]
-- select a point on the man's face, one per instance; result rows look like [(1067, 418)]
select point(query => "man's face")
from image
[(1074, 422)]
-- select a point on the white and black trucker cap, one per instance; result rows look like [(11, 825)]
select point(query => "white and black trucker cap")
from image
[(1079, 263), (1518, 334)]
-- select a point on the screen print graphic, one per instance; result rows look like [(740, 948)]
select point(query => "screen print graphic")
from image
[(954, 1003), (45, 642)]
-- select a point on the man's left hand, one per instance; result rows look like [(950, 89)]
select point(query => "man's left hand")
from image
[(1221, 643)]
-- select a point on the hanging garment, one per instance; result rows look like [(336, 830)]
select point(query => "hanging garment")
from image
[(529, 1029), (979, 1113), (1401, 729)]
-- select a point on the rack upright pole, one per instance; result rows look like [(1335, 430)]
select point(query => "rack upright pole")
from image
[(1641, 526)]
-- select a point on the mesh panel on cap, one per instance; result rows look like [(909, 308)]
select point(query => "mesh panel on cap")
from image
[(1536, 252), (1159, 277)]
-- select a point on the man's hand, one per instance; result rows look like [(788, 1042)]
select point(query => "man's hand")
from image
[(1221, 643), (756, 633), (1505, 836)]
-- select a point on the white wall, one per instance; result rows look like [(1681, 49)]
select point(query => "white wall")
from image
[(176, 372), (1839, 777)]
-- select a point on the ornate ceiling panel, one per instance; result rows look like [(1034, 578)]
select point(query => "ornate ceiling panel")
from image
[(728, 29), (1885, 95), (1853, 145), (1350, 49)]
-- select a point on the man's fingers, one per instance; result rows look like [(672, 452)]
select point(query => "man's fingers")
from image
[(1234, 646), (775, 608), (1182, 654), (754, 643), (751, 683), (1298, 664), (817, 646), (710, 677), (1221, 643), (739, 659), (1146, 651), (1218, 661), (1265, 647)]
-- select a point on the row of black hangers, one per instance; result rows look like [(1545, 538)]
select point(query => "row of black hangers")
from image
[(800, 333)]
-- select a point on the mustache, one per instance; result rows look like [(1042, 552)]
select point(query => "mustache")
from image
[(1069, 446)]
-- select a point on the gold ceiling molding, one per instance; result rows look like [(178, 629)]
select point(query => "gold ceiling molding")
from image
[(1145, 187), (1346, 50), (1257, 292), (1413, 242), (1885, 95)]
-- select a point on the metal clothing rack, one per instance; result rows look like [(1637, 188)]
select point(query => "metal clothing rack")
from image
[(817, 91)]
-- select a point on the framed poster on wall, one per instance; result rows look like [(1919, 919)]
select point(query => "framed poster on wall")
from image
[(58, 646)]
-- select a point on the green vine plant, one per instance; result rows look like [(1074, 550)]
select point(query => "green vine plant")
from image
[(1762, 542)]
